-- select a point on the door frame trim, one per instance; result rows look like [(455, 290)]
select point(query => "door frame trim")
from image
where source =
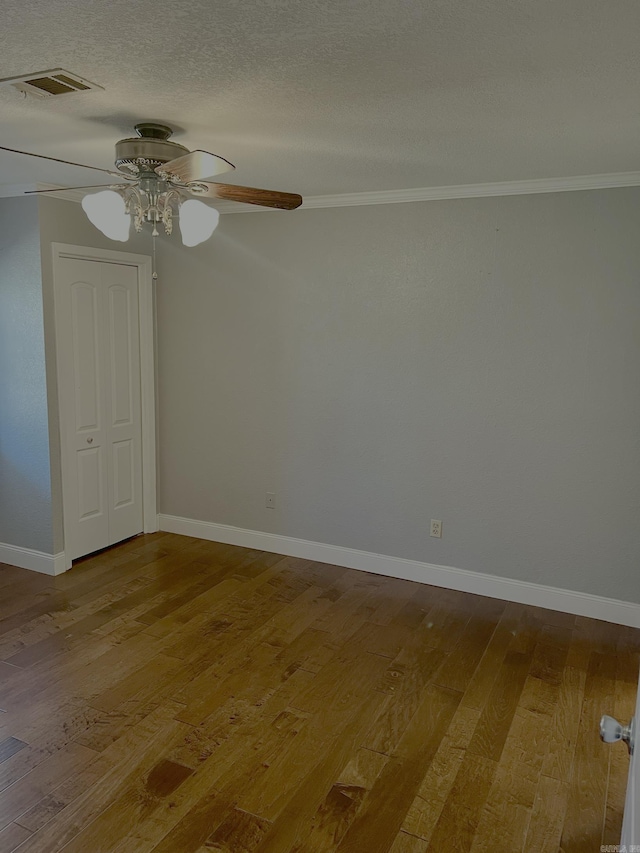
[(146, 315)]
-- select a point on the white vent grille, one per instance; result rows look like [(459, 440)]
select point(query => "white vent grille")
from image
[(50, 84)]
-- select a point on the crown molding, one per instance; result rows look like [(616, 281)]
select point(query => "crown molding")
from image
[(499, 188), (456, 191)]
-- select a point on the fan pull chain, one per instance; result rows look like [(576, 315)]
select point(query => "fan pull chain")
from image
[(154, 274)]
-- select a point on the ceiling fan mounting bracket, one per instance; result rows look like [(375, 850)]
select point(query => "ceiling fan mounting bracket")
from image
[(150, 149), (152, 130)]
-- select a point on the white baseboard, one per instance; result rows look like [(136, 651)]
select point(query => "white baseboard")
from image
[(36, 561), (507, 589)]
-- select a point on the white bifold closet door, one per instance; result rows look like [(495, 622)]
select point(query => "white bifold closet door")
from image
[(98, 346)]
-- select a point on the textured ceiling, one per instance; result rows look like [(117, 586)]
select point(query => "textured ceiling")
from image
[(323, 97)]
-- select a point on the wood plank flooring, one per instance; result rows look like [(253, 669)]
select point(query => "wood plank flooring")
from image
[(180, 696)]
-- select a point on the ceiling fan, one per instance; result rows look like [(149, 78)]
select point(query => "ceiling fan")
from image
[(159, 178)]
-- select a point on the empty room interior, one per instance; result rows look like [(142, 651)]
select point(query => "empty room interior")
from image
[(319, 427)]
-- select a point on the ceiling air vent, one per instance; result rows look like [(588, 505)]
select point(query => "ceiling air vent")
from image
[(49, 84)]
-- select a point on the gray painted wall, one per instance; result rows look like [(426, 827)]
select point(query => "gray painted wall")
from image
[(25, 487), (65, 222), (474, 361)]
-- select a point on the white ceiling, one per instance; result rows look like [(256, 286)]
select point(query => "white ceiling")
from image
[(325, 97)]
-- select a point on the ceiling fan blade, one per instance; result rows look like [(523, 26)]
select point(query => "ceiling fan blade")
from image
[(248, 195), (195, 166), (55, 160), (68, 189)]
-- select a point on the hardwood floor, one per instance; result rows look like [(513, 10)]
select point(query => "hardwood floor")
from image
[(181, 696)]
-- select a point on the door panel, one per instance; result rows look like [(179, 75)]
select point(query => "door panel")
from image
[(123, 474), (90, 483), (82, 399), (84, 313), (120, 348), (631, 823), (97, 326), (123, 400)]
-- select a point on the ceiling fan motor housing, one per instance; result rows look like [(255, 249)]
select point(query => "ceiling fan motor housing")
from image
[(150, 149)]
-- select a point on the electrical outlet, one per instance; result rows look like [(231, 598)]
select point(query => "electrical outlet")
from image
[(270, 501), (436, 528)]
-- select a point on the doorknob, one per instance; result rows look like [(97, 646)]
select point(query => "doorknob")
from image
[(611, 731), (89, 440)]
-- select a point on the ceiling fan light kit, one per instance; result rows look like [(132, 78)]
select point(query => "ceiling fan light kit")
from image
[(159, 176), (112, 212)]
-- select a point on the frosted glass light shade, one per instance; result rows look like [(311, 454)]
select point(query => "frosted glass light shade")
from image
[(198, 221), (106, 211)]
